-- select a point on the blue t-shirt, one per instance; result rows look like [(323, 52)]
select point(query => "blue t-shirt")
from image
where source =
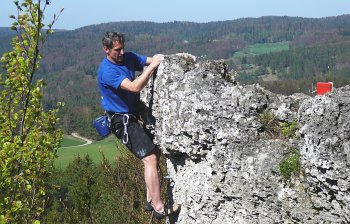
[(111, 75)]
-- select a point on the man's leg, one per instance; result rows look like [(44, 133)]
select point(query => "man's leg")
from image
[(152, 180)]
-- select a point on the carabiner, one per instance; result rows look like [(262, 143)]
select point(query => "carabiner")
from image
[(125, 123)]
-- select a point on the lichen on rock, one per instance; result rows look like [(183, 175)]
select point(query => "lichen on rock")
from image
[(224, 166)]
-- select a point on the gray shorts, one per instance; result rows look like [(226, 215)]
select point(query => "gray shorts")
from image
[(136, 139)]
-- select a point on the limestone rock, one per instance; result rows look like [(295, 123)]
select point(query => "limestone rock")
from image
[(225, 167)]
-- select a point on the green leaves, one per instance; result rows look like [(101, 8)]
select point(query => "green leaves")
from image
[(289, 129), (29, 136), (290, 165)]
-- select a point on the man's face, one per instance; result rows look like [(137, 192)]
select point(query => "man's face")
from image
[(116, 53)]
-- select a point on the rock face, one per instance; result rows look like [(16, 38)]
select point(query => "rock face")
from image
[(222, 159), (326, 153)]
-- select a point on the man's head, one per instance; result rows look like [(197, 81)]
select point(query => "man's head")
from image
[(113, 45)]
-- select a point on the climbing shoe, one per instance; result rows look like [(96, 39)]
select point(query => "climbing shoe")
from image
[(168, 210), (148, 206)]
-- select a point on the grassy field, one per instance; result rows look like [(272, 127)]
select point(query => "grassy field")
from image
[(257, 49), (71, 141), (67, 152)]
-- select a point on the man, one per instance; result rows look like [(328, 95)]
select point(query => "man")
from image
[(119, 94)]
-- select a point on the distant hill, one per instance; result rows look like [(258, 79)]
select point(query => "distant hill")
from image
[(6, 34), (71, 58)]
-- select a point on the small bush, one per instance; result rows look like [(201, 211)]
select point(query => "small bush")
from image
[(270, 124), (289, 129), (290, 165), (89, 193)]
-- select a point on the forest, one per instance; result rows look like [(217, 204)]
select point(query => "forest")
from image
[(315, 50)]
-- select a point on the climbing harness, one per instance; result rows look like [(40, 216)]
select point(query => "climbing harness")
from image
[(126, 117)]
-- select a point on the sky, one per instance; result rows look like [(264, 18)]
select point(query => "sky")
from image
[(79, 13)]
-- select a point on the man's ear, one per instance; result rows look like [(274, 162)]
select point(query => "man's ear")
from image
[(106, 50)]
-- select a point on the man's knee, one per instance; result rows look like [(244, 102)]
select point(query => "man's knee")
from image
[(151, 159)]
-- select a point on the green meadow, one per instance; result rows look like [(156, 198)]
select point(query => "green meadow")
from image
[(71, 141), (257, 49), (70, 149)]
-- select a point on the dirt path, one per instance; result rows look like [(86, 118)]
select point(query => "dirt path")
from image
[(87, 141)]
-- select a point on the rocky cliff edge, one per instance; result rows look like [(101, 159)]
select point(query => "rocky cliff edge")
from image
[(224, 146)]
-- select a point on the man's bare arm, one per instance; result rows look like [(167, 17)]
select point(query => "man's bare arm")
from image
[(140, 82)]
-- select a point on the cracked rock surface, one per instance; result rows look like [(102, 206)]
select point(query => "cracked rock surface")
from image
[(225, 167)]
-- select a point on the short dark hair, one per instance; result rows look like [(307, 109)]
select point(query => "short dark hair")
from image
[(111, 37)]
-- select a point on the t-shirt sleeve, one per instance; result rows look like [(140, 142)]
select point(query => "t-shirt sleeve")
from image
[(140, 61)]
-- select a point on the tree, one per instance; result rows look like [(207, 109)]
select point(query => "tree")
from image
[(29, 136), (107, 193)]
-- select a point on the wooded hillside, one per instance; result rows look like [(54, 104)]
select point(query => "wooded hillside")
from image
[(317, 50)]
